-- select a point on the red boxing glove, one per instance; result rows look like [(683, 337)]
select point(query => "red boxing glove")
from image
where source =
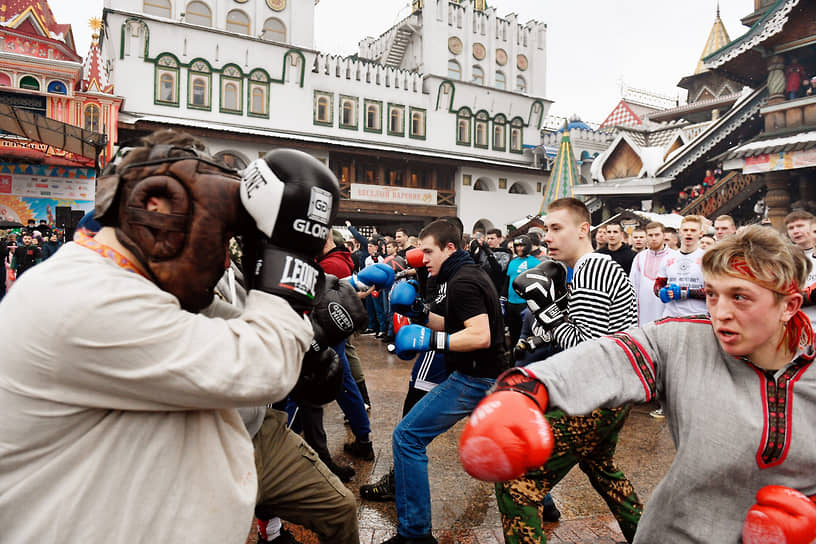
[(781, 515), (399, 321), (507, 433), (415, 258)]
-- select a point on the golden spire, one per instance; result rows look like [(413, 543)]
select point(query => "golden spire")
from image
[(717, 39)]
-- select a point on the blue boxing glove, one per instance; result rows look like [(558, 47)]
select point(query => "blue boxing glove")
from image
[(412, 339), (405, 300), (677, 293), (378, 275)]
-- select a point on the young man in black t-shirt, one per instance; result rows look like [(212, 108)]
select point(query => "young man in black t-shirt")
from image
[(25, 256), (471, 334)]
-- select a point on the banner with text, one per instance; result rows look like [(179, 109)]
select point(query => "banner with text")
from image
[(395, 195)]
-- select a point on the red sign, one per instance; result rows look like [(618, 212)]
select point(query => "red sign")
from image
[(5, 184)]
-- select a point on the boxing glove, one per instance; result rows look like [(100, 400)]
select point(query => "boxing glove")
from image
[(412, 339), (415, 258), (672, 292), (292, 198), (399, 321), (528, 345), (545, 290), (321, 377), (337, 313), (507, 434), (378, 275), (405, 300), (781, 515)]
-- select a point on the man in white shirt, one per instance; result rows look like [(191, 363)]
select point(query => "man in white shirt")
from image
[(799, 226), (679, 283), (645, 269)]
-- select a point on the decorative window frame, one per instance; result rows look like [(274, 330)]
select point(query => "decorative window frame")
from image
[(459, 64), (378, 104), (517, 127), (496, 80), (166, 64), (499, 121), (249, 22), (199, 68), (258, 79), (231, 74), (55, 83), (423, 116), (355, 112), (464, 115), (482, 119), (329, 110), (285, 30), (187, 11), (399, 108), (85, 109), (482, 77)]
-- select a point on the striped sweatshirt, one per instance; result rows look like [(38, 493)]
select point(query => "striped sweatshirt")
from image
[(601, 301)]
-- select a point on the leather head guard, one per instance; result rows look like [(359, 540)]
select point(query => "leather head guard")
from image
[(184, 250), (523, 241)]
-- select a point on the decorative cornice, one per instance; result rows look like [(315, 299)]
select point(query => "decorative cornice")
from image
[(770, 25), (701, 145)]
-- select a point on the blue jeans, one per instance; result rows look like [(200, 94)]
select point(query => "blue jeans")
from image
[(435, 413), (350, 399), (374, 308)]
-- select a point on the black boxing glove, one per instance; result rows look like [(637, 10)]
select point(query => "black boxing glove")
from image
[(321, 377), (545, 290), (293, 198), (338, 312)]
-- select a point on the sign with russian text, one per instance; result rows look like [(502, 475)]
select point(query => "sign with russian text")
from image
[(395, 195), (785, 160)]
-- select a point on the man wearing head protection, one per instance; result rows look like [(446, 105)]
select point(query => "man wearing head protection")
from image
[(120, 423), (522, 246)]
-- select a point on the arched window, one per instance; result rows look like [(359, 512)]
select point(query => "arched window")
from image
[(167, 88), (198, 13), (373, 116), (454, 70), (501, 81), (92, 118), (274, 30), (481, 129), (396, 115), (521, 85), (483, 184), (5, 80), (516, 143), (157, 7), (463, 127), (348, 117), (230, 96), (232, 159), (323, 109), (30, 83), (477, 76), (518, 188), (238, 21), (258, 102), (57, 87), (499, 132), (199, 92)]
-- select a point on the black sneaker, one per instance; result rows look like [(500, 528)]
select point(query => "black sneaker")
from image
[(383, 490), (285, 537), (399, 539), (379, 335), (362, 450), (344, 472), (368, 331)]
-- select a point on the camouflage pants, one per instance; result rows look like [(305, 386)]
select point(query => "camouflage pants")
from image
[(588, 441)]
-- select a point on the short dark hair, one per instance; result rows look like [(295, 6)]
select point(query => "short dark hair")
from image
[(443, 232), (535, 239), (496, 232), (655, 225), (574, 206), (402, 230)]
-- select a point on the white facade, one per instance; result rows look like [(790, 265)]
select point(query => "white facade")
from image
[(243, 81)]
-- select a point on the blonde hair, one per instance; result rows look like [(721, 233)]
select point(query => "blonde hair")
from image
[(762, 256), (773, 261), (692, 219)]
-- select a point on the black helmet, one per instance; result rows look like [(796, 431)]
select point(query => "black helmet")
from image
[(524, 242)]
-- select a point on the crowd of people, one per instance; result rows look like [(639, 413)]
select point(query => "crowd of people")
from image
[(187, 378), (20, 249)]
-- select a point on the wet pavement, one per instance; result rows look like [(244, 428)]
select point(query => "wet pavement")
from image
[(464, 509)]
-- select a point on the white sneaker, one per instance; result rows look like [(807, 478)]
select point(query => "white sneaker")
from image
[(657, 414)]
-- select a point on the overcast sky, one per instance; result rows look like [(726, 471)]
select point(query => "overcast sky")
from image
[(593, 45)]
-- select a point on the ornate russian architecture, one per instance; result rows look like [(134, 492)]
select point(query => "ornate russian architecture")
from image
[(47, 94)]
